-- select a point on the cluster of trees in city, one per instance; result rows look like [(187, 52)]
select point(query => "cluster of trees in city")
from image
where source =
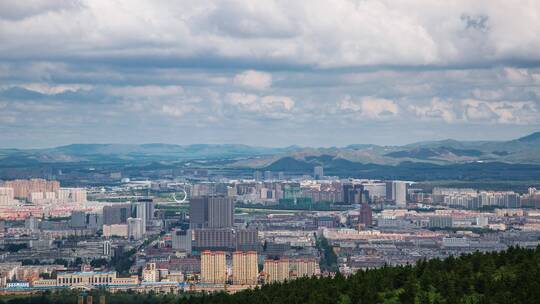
[(123, 262), (328, 261), (510, 276), (14, 247), (71, 264)]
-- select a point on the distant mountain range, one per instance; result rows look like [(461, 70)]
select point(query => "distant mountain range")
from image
[(524, 150)]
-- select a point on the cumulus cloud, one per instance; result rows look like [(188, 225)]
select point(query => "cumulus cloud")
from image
[(435, 110), (49, 89), (240, 65), (505, 112), (370, 107), (319, 34), (478, 111), (254, 79), (272, 106), (178, 110)]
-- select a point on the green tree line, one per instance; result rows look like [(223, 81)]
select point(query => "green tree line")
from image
[(511, 276)]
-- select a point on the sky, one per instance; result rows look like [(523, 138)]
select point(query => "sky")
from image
[(267, 73)]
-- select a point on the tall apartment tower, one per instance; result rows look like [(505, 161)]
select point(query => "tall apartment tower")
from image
[(140, 213), (107, 248), (213, 267), (389, 190), (400, 193), (366, 215), (276, 270), (181, 240), (245, 271), (397, 191), (7, 196), (352, 193), (305, 267), (116, 214), (22, 187), (144, 209), (135, 228), (211, 212)]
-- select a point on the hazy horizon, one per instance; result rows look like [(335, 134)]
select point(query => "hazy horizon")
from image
[(255, 146)]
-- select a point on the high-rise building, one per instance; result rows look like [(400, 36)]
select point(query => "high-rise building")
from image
[(305, 267), (116, 214), (247, 239), (352, 193), (318, 172), (150, 208), (78, 220), (94, 221), (213, 267), (71, 195), (376, 190), (211, 212), (244, 268), (7, 196), (22, 187), (400, 193), (257, 175), (198, 212), (214, 239), (135, 228), (276, 270), (144, 209), (389, 190), (220, 212), (181, 240), (140, 212), (107, 248), (366, 215), (396, 191)]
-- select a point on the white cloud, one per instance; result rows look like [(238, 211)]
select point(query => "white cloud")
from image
[(284, 102), (146, 91), (504, 112), (218, 62), (517, 76), (178, 109), (254, 79), (273, 106), (319, 34), (478, 111), (45, 88), (435, 110), (370, 107)]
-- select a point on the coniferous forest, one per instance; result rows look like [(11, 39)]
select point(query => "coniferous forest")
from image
[(511, 276)]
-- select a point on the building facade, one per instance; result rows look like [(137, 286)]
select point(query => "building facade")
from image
[(213, 267), (276, 270), (245, 270)]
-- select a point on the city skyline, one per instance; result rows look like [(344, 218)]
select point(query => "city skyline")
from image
[(236, 151), (271, 74)]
